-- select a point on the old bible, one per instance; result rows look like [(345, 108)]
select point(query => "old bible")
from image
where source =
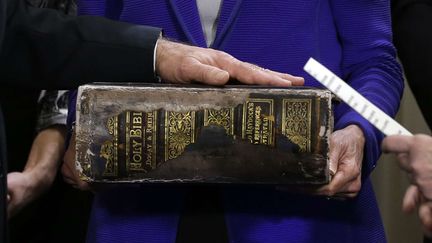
[(232, 134)]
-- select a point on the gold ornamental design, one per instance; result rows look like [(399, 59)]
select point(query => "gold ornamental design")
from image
[(107, 152), (111, 124), (108, 149), (179, 132), (223, 117), (296, 122)]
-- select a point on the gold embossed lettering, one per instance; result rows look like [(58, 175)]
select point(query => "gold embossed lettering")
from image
[(135, 133), (258, 120), (149, 154), (136, 119), (257, 129), (149, 122), (136, 151), (265, 131), (249, 126)]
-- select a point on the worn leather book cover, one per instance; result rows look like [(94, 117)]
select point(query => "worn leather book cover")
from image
[(203, 134)]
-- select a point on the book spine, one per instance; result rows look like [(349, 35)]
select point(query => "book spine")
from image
[(139, 141)]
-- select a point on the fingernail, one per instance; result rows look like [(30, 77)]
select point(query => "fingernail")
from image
[(332, 172)]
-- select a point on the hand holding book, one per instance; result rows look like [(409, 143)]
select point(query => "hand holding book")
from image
[(68, 169), (346, 157)]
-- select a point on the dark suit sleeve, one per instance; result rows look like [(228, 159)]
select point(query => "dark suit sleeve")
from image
[(45, 49), (412, 21)]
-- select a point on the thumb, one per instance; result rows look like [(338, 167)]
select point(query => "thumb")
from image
[(13, 181), (411, 199), (334, 155), (425, 215)]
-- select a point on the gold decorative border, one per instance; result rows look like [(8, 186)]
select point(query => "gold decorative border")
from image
[(109, 149), (179, 132), (223, 117), (116, 139), (127, 139), (296, 122)]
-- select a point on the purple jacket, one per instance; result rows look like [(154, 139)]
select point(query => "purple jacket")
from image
[(352, 38)]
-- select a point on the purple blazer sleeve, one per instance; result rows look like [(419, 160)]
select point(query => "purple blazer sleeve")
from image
[(369, 65)]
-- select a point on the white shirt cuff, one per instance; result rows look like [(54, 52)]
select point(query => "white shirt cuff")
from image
[(154, 59)]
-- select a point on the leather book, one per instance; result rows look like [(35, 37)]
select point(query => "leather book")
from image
[(203, 134)]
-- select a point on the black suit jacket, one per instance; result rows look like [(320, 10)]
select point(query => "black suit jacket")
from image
[(412, 28), (43, 49)]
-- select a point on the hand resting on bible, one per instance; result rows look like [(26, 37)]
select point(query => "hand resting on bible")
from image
[(179, 63)]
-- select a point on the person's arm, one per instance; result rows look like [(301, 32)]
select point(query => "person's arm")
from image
[(45, 49), (40, 171), (369, 65), (45, 154)]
